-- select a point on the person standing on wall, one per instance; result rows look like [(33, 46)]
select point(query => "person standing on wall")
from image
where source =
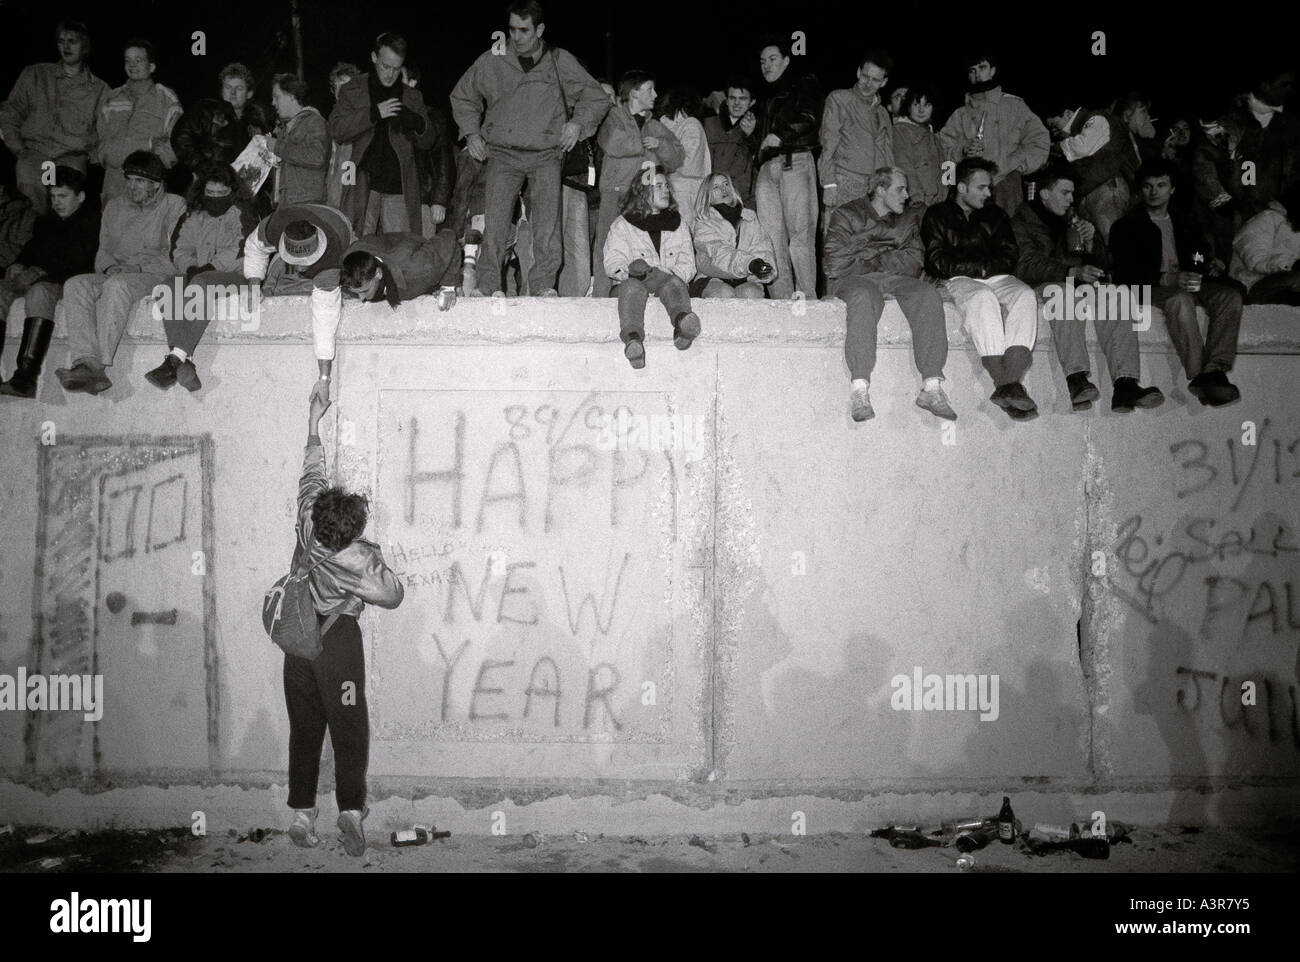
[(346, 572)]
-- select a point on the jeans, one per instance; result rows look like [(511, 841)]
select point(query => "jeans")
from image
[(787, 208), (864, 296), (314, 694), (506, 172), (575, 275), (633, 294), (385, 213), (1218, 350), (96, 309), (1118, 341)]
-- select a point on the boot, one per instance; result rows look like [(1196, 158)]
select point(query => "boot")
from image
[(37, 332)]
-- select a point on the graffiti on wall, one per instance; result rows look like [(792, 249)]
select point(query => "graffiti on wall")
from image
[(124, 589), (536, 548)]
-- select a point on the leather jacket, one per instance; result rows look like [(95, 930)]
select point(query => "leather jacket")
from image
[(981, 246), (792, 109), (350, 577)]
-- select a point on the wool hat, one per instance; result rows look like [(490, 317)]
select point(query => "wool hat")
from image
[(143, 163)]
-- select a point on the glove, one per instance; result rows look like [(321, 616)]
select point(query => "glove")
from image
[(638, 269), (759, 267)]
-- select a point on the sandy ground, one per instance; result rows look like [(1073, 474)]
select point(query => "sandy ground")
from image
[(30, 849)]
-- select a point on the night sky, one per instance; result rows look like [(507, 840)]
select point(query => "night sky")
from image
[(1180, 57)]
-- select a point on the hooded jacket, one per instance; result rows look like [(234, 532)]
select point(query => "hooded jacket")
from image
[(860, 241), (982, 245), (1014, 138), (627, 242), (351, 578)]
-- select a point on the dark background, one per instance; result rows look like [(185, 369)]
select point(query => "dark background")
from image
[(1186, 59)]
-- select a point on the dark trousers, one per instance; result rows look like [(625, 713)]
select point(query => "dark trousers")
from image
[(1218, 349), (1119, 343), (1283, 288), (505, 172), (315, 694), (186, 334), (633, 294), (864, 300)]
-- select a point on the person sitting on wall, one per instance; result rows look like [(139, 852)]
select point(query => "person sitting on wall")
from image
[(733, 254), (382, 267), (134, 257), (971, 248), (873, 248), (219, 215), (649, 251), (282, 257), (346, 573), (1166, 249), (1266, 252), (1055, 244)]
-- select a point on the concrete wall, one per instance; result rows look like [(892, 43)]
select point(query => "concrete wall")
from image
[(697, 636)]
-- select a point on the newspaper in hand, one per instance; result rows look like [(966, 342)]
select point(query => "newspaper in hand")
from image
[(255, 162)]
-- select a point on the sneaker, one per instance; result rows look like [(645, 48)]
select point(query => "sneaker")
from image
[(1215, 390), (351, 824), (936, 402), (861, 402), (1082, 391), (164, 375), (634, 351), (687, 330), (1013, 395), (1129, 395), (303, 830), (187, 376)]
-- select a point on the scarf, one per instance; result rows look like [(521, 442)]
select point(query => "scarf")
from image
[(654, 224), (731, 212)]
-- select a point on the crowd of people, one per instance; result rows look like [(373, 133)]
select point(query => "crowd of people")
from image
[(536, 178)]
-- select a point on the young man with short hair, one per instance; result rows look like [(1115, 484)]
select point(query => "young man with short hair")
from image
[(732, 140), (1157, 246), (970, 246), (139, 115)]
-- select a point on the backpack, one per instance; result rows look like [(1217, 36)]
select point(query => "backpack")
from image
[(289, 616)]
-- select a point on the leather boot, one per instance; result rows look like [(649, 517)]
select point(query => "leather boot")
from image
[(37, 332)]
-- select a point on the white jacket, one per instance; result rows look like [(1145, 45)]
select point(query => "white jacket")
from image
[(723, 251), (1265, 245), (626, 243)]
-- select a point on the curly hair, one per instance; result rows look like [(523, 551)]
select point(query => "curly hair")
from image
[(239, 72), (339, 517), (640, 195), (214, 171)]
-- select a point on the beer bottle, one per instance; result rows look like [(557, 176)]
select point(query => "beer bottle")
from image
[(1006, 822)]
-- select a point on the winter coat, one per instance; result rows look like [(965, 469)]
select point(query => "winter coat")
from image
[(857, 137), (620, 139), (1014, 138), (791, 109), (49, 115), (207, 131), (1266, 244), (696, 162), (732, 152), (63, 248), (139, 236), (626, 243), (126, 125), (515, 108), (17, 221), (982, 245), (725, 251), (213, 243), (918, 154), (860, 241), (303, 146), (1046, 255), (353, 120), (1137, 248)]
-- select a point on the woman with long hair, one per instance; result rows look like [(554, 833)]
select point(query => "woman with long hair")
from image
[(649, 251), (734, 256)]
